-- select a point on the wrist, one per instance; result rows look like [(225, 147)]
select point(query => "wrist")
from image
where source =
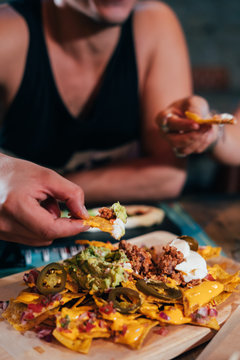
[(219, 138)]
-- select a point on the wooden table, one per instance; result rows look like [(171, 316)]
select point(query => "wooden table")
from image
[(219, 216)]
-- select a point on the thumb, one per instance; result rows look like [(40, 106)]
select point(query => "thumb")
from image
[(68, 192)]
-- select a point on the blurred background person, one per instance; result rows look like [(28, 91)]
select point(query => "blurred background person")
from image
[(82, 99), (212, 31)]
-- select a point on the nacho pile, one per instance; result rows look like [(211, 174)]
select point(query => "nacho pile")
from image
[(119, 293)]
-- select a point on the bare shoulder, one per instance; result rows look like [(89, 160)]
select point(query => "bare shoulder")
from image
[(14, 40), (154, 16), (156, 31)]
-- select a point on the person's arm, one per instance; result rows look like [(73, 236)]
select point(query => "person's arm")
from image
[(227, 149), (164, 76)]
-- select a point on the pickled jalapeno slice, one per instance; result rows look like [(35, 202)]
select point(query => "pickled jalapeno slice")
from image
[(125, 300), (151, 288), (52, 279)]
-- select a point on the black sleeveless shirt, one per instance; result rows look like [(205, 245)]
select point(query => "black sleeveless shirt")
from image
[(38, 126)]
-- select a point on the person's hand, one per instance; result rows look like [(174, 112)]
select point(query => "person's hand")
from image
[(185, 135), (29, 211)]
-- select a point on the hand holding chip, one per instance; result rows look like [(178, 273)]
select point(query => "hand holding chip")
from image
[(29, 211), (188, 127)]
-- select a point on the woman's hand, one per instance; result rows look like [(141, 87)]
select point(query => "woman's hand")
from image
[(29, 211), (185, 135)]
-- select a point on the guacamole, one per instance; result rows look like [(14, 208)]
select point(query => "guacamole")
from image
[(120, 211), (98, 268)]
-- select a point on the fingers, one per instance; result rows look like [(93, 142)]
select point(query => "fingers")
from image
[(51, 205), (46, 227), (68, 192), (192, 142)]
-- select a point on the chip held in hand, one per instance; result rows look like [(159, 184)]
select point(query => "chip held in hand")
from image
[(111, 220), (215, 119)]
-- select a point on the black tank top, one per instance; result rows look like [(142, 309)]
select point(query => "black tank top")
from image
[(38, 126)]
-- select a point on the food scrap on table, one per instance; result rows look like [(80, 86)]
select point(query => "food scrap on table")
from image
[(120, 292)]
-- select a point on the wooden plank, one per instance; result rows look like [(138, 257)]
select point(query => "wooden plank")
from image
[(179, 339)]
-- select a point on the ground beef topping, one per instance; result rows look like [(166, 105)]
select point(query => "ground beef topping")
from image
[(107, 213), (146, 263), (139, 258), (167, 262)]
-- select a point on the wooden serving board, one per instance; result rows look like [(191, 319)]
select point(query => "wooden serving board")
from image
[(180, 338)]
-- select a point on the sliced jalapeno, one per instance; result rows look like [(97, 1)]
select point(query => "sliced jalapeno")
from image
[(125, 307), (191, 242), (151, 288), (52, 279)]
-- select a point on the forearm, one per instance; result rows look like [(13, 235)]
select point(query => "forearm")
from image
[(227, 149), (139, 180)]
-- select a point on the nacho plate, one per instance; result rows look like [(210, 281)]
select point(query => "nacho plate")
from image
[(179, 338)]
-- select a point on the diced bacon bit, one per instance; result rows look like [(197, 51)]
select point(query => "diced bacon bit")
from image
[(36, 308), (107, 309), (164, 316), (124, 330), (162, 331), (31, 277), (209, 277)]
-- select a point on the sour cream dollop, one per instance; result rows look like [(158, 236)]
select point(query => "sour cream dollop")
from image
[(118, 229), (194, 265)]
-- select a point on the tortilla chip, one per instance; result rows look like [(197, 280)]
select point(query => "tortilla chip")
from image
[(210, 323), (75, 326), (174, 315), (151, 311), (231, 287), (100, 223), (222, 276), (215, 119), (79, 345), (134, 332), (219, 299), (13, 314), (208, 252), (199, 295)]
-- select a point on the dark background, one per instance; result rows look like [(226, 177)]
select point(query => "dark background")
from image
[(212, 30)]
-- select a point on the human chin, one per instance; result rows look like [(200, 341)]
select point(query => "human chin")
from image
[(114, 11)]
